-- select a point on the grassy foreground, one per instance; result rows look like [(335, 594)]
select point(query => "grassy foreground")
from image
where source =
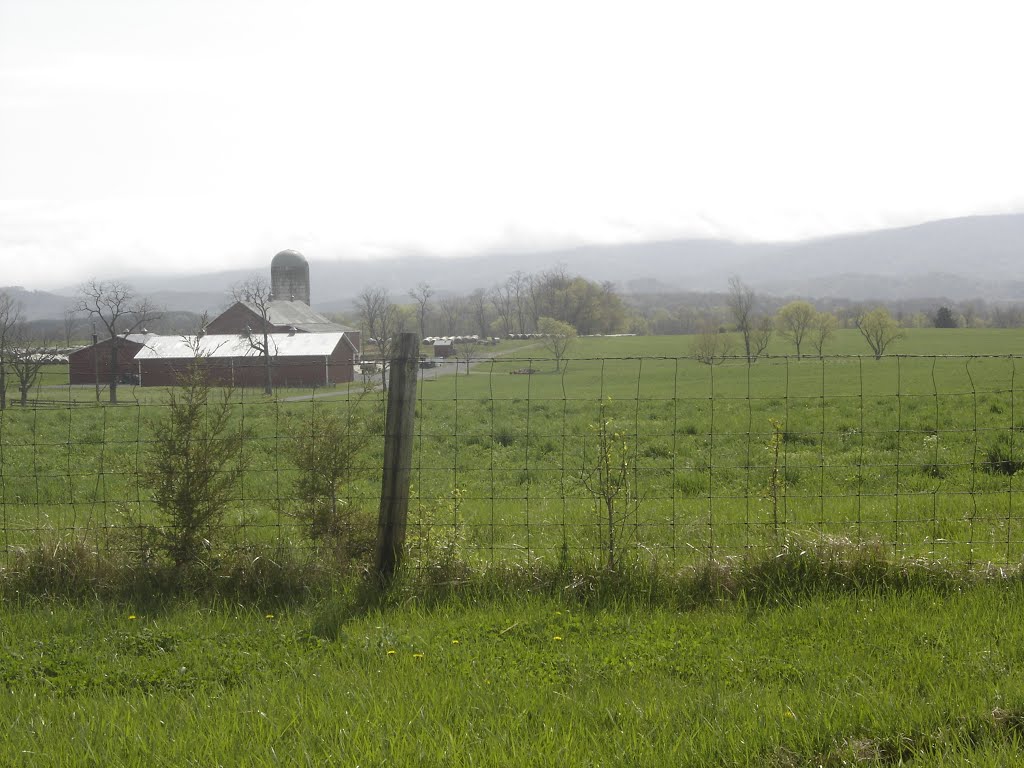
[(925, 676)]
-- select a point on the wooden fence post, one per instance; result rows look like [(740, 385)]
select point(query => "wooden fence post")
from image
[(398, 438)]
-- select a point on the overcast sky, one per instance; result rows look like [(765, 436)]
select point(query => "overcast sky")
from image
[(193, 135)]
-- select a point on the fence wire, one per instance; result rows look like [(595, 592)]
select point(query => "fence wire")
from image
[(603, 459)]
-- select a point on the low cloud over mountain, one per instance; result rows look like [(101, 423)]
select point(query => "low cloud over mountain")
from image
[(963, 258)]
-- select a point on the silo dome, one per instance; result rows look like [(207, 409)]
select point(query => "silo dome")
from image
[(289, 277)]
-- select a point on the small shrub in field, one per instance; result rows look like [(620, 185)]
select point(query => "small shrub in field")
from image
[(436, 538), (775, 487), (194, 464), (606, 474), (326, 450), (1000, 458), (504, 436)]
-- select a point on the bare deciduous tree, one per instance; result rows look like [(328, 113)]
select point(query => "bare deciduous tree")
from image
[(479, 307), (760, 337), (755, 330), (451, 314), (10, 317), (824, 326), (257, 294), (116, 307), (711, 347), (421, 295), (741, 302), (504, 303), (71, 320), (466, 350), (382, 322), (518, 289), (27, 358)]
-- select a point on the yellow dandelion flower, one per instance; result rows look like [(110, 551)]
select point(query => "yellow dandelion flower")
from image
[(417, 655), (557, 637), (270, 615), (131, 617), (391, 652), (455, 642)]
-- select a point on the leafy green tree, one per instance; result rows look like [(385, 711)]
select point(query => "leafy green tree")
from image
[(587, 306), (795, 322), (556, 337), (879, 330)]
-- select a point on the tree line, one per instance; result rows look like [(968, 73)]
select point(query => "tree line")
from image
[(678, 313), (552, 303), (519, 305), (529, 304), (799, 322)]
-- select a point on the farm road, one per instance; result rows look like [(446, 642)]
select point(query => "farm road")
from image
[(428, 374)]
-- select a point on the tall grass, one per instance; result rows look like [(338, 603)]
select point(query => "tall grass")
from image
[(924, 676)]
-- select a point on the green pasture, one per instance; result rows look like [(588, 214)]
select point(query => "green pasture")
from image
[(924, 677), (918, 450)]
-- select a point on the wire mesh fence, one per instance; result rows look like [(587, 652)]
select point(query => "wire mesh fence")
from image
[(517, 459)]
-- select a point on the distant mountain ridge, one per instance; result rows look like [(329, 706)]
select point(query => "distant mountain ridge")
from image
[(959, 258)]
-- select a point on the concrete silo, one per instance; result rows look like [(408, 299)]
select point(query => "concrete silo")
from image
[(289, 277)]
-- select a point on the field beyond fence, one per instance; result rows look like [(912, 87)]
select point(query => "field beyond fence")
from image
[(612, 457)]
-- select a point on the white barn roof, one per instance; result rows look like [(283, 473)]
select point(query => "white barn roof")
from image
[(233, 345), (297, 314)]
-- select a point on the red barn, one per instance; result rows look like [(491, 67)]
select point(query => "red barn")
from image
[(91, 364), (297, 359), (282, 317)]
